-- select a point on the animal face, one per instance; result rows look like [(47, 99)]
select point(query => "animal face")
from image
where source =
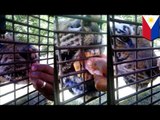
[(76, 39), (126, 41), (15, 58)]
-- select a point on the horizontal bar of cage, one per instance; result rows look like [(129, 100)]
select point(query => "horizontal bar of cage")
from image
[(25, 43), (20, 62), (78, 84), (79, 47), (49, 58), (137, 92), (78, 32), (72, 73), (12, 80), (27, 33), (124, 21), (135, 49), (26, 95), (90, 100), (48, 21), (104, 103), (23, 62), (15, 81), (35, 97), (83, 18), (28, 61), (27, 52), (27, 25), (80, 59), (154, 93), (7, 83), (15, 90), (135, 60), (136, 82), (154, 102), (131, 36), (136, 71), (74, 98), (39, 101), (93, 98)]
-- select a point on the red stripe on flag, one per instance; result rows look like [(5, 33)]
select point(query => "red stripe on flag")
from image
[(146, 31)]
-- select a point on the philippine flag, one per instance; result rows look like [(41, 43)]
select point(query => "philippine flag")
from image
[(150, 27)]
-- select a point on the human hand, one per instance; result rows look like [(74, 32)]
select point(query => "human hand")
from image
[(97, 66), (42, 78)]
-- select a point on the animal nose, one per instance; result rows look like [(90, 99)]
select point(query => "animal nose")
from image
[(27, 52), (75, 26)]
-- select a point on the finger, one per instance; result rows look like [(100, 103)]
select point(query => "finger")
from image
[(47, 90), (100, 83), (42, 67), (43, 76)]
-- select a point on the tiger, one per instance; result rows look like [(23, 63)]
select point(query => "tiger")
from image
[(16, 58), (77, 39), (127, 42)]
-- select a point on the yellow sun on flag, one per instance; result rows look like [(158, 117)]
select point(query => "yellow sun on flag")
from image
[(150, 19)]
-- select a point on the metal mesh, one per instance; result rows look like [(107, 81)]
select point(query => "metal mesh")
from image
[(136, 80), (73, 88), (24, 31), (128, 81)]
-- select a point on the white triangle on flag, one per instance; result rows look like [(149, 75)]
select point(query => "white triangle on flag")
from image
[(151, 19)]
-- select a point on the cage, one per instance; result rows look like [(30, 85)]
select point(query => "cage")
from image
[(25, 39), (132, 74), (67, 43), (78, 38), (135, 60)]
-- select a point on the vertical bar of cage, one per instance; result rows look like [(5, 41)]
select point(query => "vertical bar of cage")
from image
[(82, 51), (56, 72), (27, 53), (2, 25), (115, 56), (137, 85), (14, 56), (99, 93), (48, 41), (56, 82), (39, 24), (2, 32), (152, 72), (110, 75)]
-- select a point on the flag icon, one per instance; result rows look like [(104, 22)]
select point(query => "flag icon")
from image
[(150, 27)]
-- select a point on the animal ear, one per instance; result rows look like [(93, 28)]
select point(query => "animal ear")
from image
[(138, 28), (6, 37), (9, 37), (93, 17)]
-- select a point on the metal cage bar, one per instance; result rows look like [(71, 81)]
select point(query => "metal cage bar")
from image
[(139, 96), (29, 30), (58, 64)]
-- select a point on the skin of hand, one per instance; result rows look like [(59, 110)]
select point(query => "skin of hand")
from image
[(100, 83), (97, 66), (40, 73)]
